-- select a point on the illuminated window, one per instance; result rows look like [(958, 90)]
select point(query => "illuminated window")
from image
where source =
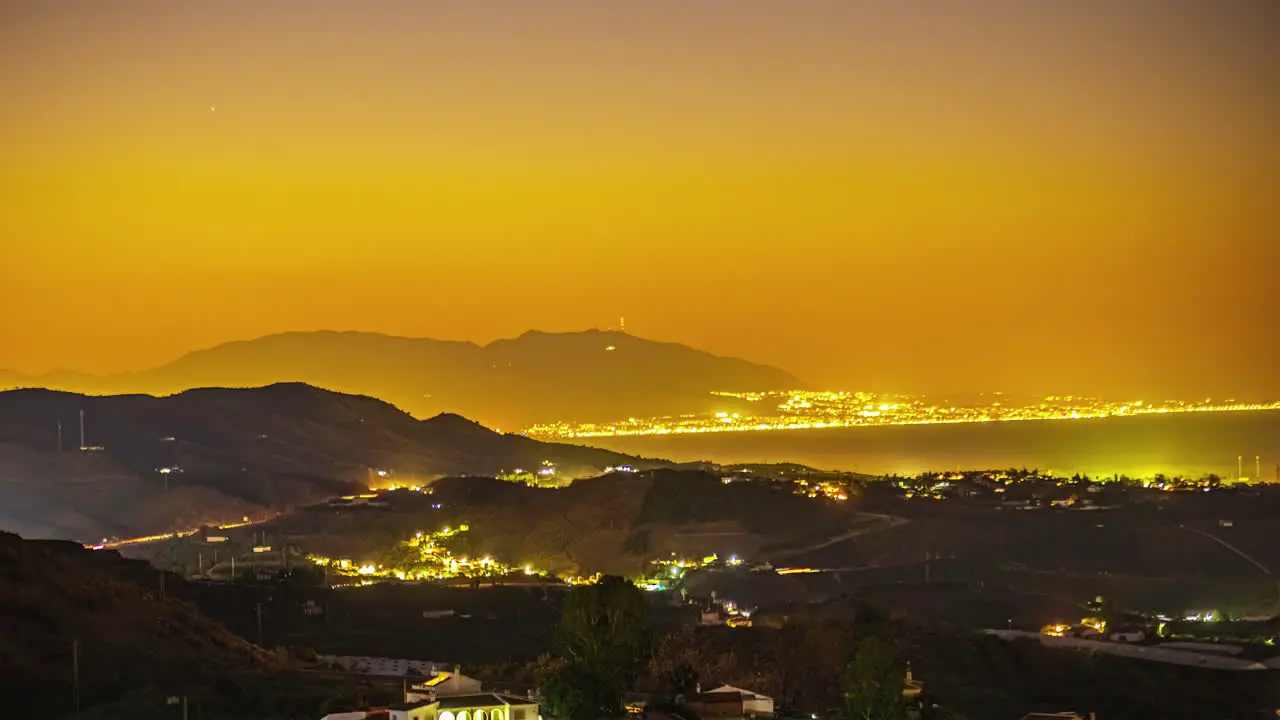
[(464, 715), (482, 715), (496, 715), (446, 715)]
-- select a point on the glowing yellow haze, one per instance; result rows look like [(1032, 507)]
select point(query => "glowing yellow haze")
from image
[(1080, 195)]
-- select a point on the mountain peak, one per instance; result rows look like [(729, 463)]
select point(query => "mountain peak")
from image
[(512, 383), (453, 424)]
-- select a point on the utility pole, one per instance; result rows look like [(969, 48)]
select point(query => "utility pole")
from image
[(259, 606), (59, 436), (75, 674), (200, 562), (82, 428)]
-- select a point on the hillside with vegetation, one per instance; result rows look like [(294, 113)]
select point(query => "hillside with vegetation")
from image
[(614, 523), (1151, 551), (802, 657), (512, 383), (59, 601), (218, 455), (88, 634)]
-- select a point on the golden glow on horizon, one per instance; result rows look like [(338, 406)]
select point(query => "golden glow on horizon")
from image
[(820, 410), (181, 174)]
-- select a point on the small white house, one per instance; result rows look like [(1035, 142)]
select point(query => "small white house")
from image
[(753, 704)]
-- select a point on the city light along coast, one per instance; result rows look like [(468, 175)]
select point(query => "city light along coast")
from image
[(813, 410)]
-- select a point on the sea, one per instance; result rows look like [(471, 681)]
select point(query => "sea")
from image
[(1229, 444)]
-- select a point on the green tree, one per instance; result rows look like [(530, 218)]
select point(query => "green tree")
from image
[(604, 641), (572, 691), (606, 625), (873, 684)]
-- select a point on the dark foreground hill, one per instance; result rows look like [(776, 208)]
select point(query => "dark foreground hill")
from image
[(55, 595), (217, 455), (68, 613), (537, 377)]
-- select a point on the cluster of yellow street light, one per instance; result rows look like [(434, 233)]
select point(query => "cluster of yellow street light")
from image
[(661, 572), (426, 559), (807, 410), (823, 488)]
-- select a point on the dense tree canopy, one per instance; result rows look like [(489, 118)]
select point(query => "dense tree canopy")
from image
[(873, 684), (604, 641)]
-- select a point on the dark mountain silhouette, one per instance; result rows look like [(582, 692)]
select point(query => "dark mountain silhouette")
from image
[(54, 595), (537, 377), (141, 645), (230, 453)]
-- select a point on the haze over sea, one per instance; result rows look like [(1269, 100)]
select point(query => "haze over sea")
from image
[(1185, 443)]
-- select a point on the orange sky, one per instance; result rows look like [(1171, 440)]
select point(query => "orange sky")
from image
[(941, 194)]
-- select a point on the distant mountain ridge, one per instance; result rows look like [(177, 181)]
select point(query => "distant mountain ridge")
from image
[(512, 383), (217, 455)]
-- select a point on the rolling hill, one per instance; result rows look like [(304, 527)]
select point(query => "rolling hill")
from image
[(513, 383), (615, 523), (139, 646), (55, 594), (229, 453)]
